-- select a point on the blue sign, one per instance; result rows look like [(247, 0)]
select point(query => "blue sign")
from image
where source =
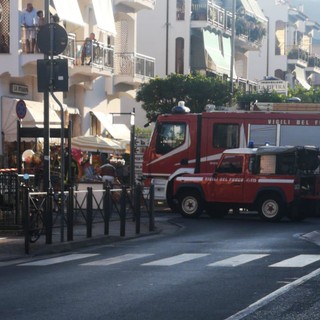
[(21, 109)]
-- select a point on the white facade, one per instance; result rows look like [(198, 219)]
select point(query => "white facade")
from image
[(107, 84), (290, 31)]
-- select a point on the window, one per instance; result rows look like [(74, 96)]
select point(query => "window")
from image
[(261, 134), (4, 26), (180, 9), (180, 55), (225, 136), (231, 164), (170, 136)]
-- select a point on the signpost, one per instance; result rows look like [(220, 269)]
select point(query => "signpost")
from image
[(51, 80)]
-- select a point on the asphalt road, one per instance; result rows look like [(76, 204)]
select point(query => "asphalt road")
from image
[(233, 268)]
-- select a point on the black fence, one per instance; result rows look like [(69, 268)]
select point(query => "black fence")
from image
[(44, 212), (10, 199)]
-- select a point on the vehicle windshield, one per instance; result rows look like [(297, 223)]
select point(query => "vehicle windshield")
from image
[(170, 136)]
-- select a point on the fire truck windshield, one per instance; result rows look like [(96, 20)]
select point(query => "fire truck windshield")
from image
[(170, 136)]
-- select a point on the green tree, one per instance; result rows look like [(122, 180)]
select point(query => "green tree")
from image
[(306, 96), (160, 95), (245, 99)]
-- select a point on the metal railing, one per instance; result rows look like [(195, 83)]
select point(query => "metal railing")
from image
[(43, 210), (96, 54), (134, 64)]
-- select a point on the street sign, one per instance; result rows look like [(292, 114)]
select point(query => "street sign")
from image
[(58, 42), (21, 109)]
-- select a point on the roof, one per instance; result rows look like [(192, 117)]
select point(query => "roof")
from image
[(284, 149), (240, 151)]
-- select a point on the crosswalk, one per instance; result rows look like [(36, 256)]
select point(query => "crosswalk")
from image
[(150, 260)]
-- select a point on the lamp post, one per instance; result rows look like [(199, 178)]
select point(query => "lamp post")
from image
[(232, 50)]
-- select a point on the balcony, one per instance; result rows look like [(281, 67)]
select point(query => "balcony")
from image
[(87, 65), (313, 64), (136, 5), (297, 56), (207, 13), (133, 69)]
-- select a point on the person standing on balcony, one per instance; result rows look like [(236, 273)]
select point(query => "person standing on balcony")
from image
[(30, 22), (88, 49)]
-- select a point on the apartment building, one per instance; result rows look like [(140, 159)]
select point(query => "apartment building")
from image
[(272, 39), (196, 35), (291, 51), (101, 84)]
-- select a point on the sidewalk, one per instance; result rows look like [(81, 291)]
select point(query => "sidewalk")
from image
[(13, 246)]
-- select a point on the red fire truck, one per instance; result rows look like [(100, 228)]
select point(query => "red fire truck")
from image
[(184, 142)]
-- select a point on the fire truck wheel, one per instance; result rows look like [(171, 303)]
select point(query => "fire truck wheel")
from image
[(190, 204), (271, 207)]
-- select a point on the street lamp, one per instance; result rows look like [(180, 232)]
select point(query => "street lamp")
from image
[(232, 50)]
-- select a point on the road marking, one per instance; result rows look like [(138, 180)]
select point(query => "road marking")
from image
[(115, 260), (237, 260), (70, 257), (299, 261), (176, 259), (272, 296)]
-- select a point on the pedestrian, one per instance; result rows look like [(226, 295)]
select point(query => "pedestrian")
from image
[(87, 52), (30, 23), (108, 172), (41, 19)]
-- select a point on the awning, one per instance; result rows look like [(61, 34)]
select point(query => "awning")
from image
[(211, 45), (103, 11), (97, 143), (56, 107), (227, 55), (69, 10), (116, 131), (253, 9), (33, 118), (301, 77)]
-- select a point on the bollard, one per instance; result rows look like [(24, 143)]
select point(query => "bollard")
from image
[(123, 212), (26, 218), (151, 209), (89, 212), (48, 216), (70, 214), (107, 208), (137, 205)]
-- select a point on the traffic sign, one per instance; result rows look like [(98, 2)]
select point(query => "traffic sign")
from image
[(21, 109)]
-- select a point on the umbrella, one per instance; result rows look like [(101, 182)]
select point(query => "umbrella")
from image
[(96, 143)]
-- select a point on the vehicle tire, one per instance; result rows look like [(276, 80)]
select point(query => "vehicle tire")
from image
[(271, 207), (190, 204)]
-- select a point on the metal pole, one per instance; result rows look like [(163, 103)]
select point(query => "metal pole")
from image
[(232, 50), (167, 39), (62, 156), (132, 147), (46, 135)]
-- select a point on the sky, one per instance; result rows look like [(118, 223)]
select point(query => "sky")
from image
[(311, 8)]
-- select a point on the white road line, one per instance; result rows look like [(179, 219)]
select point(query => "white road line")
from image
[(272, 296), (70, 257), (176, 259), (115, 260), (299, 261), (237, 260)]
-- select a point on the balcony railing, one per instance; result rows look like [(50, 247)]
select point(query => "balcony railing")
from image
[(132, 64), (70, 51), (95, 54), (297, 54), (314, 61)]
